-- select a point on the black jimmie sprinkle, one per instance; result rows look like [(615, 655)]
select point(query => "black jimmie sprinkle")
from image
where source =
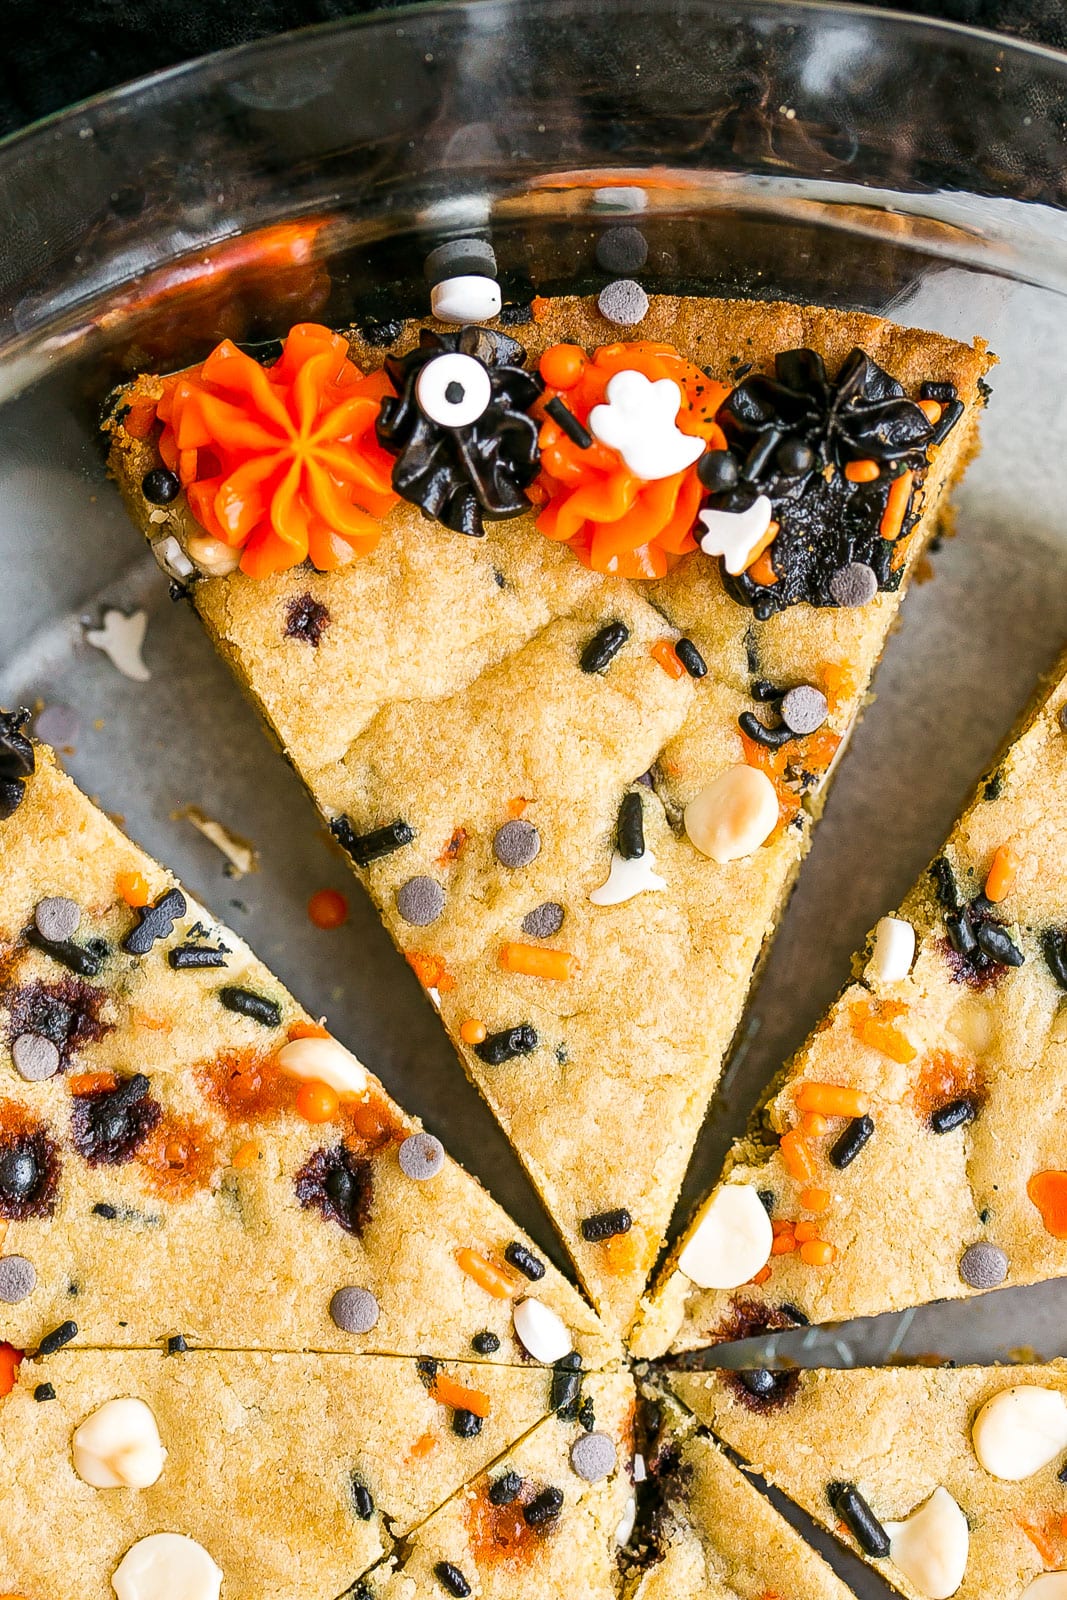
[(450, 1578), (1054, 946), (84, 963), (954, 1115), (504, 1046), (524, 1260), (186, 957), (996, 942), (690, 657), (254, 1006), (606, 1224), (630, 828), (844, 1150), (603, 647), (57, 1338), (771, 738), (362, 1501), (853, 1509), (367, 847), (565, 418)]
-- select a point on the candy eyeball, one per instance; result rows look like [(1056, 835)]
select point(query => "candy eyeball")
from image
[(453, 390)]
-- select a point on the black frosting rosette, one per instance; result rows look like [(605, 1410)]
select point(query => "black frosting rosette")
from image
[(791, 436), (461, 430)]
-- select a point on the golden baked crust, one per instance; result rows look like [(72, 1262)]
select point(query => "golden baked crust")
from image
[(263, 1451), (908, 1434), (989, 1040), (201, 1231), (445, 690)]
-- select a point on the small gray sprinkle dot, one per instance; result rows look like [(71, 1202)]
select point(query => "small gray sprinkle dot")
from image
[(804, 709), (854, 584), (516, 844), (421, 1156), (623, 302), (983, 1266), (621, 251), (18, 1279), (420, 901), (543, 921), (58, 726), (593, 1456), (354, 1310), (36, 1058), (57, 918)]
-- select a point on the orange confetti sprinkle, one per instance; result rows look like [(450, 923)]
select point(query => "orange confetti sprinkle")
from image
[(91, 1082), (133, 888), (815, 1199), (328, 908), (797, 1157), (1048, 1191), (872, 1025), (450, 1393), (666, 655), (534, 961), (832, 1100), (454, 848), (430, 970), (762, 1275), (9, 1367), (491, 1278), (424, 1446), (1039, 1540), (1002, 873), (517, 806), (246, 1155)]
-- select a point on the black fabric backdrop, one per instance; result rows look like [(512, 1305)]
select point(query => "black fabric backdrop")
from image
[(54, 55)]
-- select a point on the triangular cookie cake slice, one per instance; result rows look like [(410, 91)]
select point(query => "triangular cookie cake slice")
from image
[(939, 1075), (576, 759), (703, 1531), (273, 1476), (184, 1153), (546, 1521), (949, 1481)]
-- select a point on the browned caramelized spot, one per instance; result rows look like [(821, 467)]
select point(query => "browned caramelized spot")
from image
[(749, 1319), (500, 1534), (306, 618), (764, 1389), (340, 1184), (371, 1124), (108, 1126), (178, 1157), (246, 1086), (29, 1165), (945, 1078), (67, 1012), (961, 970)]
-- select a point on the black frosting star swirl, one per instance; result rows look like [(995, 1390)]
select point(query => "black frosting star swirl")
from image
[(791, 437), (461, 475)]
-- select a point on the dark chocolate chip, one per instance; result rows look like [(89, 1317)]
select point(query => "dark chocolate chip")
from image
[(467, 1424), (362, 1500), (177, 1344), (504, 1046), (44, 1391), (306, 618), (1054, 946), (505, 1489), (485, 1343), (543, 1508)]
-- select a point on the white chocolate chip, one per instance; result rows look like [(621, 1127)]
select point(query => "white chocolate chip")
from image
[(167, 1566), (1049, 1586), (733, 815), (118, 1447), (542, 1334), (893, 952), (470, 298), (1019, 1431), (930, 1546), (626, 879), (212, 557), (629, 1520), (736, 535), (731, 1241), (170, 555), (323, 1060), (639, 422)]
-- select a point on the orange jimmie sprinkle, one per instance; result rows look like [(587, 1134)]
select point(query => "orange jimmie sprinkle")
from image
[(613, 521), (281, 462)]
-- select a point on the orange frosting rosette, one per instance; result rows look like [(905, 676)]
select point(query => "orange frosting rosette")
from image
[(613, 521), (281, 462)]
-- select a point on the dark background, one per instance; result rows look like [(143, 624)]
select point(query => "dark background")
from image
[(56, 54)]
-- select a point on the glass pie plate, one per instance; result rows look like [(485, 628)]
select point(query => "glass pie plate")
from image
[(817, 153)]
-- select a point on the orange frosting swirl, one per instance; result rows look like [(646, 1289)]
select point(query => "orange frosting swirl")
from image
[(613, 521), (281, 462)]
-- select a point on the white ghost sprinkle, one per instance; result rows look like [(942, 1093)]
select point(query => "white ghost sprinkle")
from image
[(736, 535), (121, 639), (639, 422)]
